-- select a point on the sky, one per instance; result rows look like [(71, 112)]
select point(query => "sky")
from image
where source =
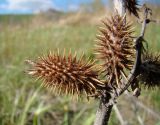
[(33, 6)]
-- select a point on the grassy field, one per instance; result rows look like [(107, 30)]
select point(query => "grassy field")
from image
[(23, 102)]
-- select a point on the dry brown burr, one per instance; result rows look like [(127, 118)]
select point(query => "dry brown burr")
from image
[(66, 74), (131, 6), (115, 48), (150, 71)]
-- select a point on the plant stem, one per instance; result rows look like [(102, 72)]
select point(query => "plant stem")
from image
[(106, 104), (105, 107), (119, 6), (103, 114)]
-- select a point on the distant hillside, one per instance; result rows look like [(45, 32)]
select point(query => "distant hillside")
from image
[(52, 14), (15, 19), (152, 1)]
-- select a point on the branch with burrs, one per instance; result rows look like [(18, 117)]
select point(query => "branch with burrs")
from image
[(118, 50), (103, 112)]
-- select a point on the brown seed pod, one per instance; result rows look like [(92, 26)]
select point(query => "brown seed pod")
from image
[(131, 6), (150, 71), (66, 74), (115, 48)]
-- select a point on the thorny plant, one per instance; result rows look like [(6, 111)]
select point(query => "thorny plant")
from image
[(118, 50)]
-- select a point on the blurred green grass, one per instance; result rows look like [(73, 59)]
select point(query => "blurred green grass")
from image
[(22, 101)]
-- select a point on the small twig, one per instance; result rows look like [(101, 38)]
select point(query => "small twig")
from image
[(140, 104), (150, 111), (147, 11), (155, 21), (135, 108), (140, 119), (119, 116)]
